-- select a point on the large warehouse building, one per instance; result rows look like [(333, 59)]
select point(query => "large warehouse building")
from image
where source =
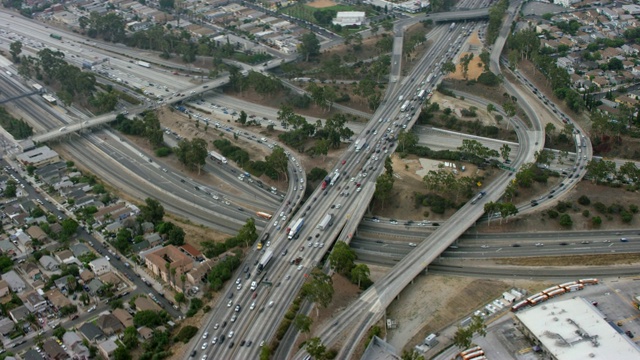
[(574, 329)]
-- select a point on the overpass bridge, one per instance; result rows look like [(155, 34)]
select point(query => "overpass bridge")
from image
[(460, 15), (103, 119)]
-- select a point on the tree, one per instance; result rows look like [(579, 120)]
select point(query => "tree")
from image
[(303, 323), (319, 289), (247, 232), (565, 220), (407, 140), (152, 212), (360, 273), (15, 49), (309, 45), (278, 161), (462, 337), (342, 258), (69, 227), (130, 338), (180, 298), (411, 355), (448, 67), (315, 348), (121, 353), (549, 129), (505, 150), (242, 119), (384, 186)]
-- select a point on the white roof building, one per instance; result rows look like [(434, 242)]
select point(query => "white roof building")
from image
[(574, 329), (100, 266), (16, 284), (350, 18)]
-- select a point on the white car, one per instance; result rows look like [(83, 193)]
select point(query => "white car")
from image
[(230, 303), (238, 281), (216, 326), (275, 224), (206, 335), (253, 306), (214, 340), (239, 287), (204, 345), (230, 335), (338, 206)]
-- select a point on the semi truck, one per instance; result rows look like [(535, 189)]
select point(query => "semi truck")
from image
[(326, 182), (296, 228), (335, 177), (56, 36), (326, 222), (422, 94), (360, 143), (264, 260), (429, 78), (216, 156), (405, 106), (143, 64)]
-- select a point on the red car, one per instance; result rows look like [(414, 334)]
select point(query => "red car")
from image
[(344, 162)]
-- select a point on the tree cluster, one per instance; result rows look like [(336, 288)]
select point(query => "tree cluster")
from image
[(464, 335), (530, 173), (192, 153), (505, 209), (342, 260), (148, 127), (445, 182), (496, 13), (222, 271), (331, 134)]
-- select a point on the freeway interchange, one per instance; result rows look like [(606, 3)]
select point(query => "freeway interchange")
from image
[(250, 315)]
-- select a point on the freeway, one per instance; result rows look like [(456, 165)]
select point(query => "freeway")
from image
[(357, 171)]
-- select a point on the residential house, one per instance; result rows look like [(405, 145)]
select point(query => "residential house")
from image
[(31, 354), (36, 233), (6, 326), (73, 342), (145, 332), (65, 256), (57, 298), (170, 255), (100, 266), (32, 270), (93, 286), (34, 302), (153, 238), (79, 249), (16, 284), (62, 282), (49, 263), (86, 276), (107, 348), (4, 288), (123, 316), (54, 350), (109, 324), (91, 332), (19, 313), (192, 252), (143, 303)]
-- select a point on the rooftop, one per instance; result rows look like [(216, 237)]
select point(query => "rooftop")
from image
[(575, 329)]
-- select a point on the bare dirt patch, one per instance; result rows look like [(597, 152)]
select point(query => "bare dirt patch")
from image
[(319, 4), (435, 302), (475, 69), (596, 193), (573, 260)]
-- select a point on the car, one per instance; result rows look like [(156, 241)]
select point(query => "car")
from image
[(216, 326), (271, 303), (242, 343), (624, 239), (238, 308), (238, 281), (239, 287), (253, 306), (205, 335), (606, 241), (193, 353), (302, 248), (584, 242), (234, 317), (230, 335), (515, 245), (262, 343), (344, 162), (539, 244), (231, 344), (230, 303), (214, 340), (74, 317), (563, 243), (249, 343), (204, 345), (224, 323)]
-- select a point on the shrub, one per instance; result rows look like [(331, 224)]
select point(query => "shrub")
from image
[(626, 217), (186, 333), (585, 213), (596, 221), (633, 208), (615, 209), (584, 200), (600, 207), (562, 206), (565, 220), (552, 214)]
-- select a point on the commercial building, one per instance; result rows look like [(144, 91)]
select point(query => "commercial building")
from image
[(157, 262), (350, 18), (39, 157), (575, 329)]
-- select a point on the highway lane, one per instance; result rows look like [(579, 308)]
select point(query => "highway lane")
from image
[(547, 272)]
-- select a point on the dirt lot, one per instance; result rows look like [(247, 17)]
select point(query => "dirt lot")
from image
[(476, 66), (319, 4)]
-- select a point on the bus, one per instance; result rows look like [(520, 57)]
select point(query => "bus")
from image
[(56, 36), (264, 215)]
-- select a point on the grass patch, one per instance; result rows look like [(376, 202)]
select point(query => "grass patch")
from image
[(584, 260)]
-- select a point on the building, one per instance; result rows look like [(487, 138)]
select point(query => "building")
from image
[(350, 18), (39, 157), (142, 303), (575, 329), (16, 284), (91, 332), (49, 263), (107, 348), (124, 317), (156, 262), (109, 324), (100, 266), (54, 350), (34, 301), (4, 288)]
